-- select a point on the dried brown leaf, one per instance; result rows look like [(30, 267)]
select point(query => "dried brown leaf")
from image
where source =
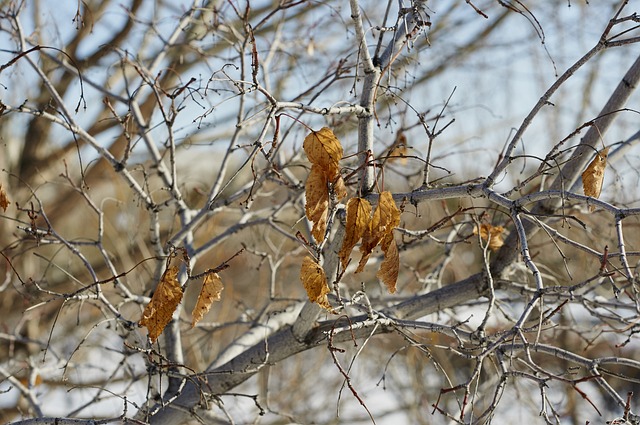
[(4, 200), (386, 217), (317, 203), (390, 266), (211, 289), (492, 233), (160, 309), (315, 282), (324, 149), (358, 217), (324, 152), (593, 176)]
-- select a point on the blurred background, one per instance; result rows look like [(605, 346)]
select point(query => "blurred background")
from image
[(163, 139)]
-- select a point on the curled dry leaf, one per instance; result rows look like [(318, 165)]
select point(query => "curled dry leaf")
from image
[(4, 200), (315, 282), (492, 233), (160, 309), (386, 217), (317, 204), (593, 176), (210, 292), (358, 217), (390, 266)]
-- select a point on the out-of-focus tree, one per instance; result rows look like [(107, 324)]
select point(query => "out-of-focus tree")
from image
[(482, 154)]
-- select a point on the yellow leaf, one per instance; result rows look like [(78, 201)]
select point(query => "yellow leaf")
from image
[(315, 282), (358, 217), (324, 149), (210, 292), (593, 176), (491, 233), (386, 217), (317, 204), (390, 266), (4, 200), (165, 299)]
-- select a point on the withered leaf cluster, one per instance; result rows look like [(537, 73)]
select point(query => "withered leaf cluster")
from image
[(372, 227), (168, 295), (324, 152), (376, 230)]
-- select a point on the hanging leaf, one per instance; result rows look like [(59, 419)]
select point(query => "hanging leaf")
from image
[(492, 233), (4, 200), (324, 152), (317, 204), (386, 217), (390, 266), (593, 176), (358, 217), (324, 149), (160, 309), (210, 292), (315, 282)]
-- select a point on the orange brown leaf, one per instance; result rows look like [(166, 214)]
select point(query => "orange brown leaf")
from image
[(324, 149), (315, 282), (160, 309), (390, 266), (386, 217), (593, 176), (491, 233), (210, 292), (324, 152), (4, 200), (317, 203), (358, 217)]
